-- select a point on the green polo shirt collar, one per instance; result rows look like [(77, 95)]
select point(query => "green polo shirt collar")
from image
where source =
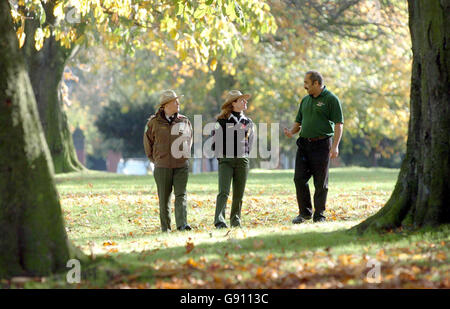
[(317, 115)]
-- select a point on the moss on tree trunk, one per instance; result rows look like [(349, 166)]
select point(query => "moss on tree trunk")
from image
[(33, 240), (46, 68), (421, 195)]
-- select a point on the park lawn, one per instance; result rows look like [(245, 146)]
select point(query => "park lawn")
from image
[(114, 220)]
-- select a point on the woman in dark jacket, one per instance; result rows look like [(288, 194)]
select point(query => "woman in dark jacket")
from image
[(233, 136)]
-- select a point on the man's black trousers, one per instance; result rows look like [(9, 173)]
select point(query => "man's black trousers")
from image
[(312, 159)]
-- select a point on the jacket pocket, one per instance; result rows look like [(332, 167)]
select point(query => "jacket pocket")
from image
[(161, 151)]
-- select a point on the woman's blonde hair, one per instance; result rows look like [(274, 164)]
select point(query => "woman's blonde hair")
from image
[(226, 111)]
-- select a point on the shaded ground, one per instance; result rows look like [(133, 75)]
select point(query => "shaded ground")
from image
[(114, 220)]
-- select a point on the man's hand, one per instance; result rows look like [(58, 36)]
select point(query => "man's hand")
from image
[(334, 152), (287, 132)]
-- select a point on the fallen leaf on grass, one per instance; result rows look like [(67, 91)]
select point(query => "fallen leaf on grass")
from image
[(191, 263), (259, 272), (168, 285), (441, 256), (269, 257), (189, 246), (258, 244)]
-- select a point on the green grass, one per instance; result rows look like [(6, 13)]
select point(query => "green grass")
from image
[(114, 219)]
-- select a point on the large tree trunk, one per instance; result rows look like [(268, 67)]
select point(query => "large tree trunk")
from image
[(422, 193), (45, 69), (33, 240)]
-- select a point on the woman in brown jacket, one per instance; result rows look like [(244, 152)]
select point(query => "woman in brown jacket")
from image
[(167, 143)]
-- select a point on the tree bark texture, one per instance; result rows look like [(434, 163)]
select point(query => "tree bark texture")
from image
[(32, 236), (45, 68), (422, 193)]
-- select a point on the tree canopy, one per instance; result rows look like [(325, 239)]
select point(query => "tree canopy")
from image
[(370, 74), (195, 31)]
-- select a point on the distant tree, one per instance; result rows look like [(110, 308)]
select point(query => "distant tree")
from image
[(46, 61), (125, 124), (51, 32)]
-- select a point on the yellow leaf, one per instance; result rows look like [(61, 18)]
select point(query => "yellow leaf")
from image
[(38, 45), (380, 254), (259, 272), (190, 262), (58, 10), (403, 256), (230, 10), (182, 52), (98, 12), (21, 36), (213, 64), (189, 246), (269, 257), (142, 14), (200, 12), (47, 32), (174, 34), (124, 109), (39, 36), (80, 40)]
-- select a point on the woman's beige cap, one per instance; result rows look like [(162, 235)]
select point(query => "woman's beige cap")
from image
[(166, 97), (233, 95)]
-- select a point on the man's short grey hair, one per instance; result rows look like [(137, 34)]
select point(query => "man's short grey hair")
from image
[(315, 76)]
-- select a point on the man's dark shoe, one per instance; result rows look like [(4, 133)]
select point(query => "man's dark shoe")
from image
[(185, 227), (299, 219), (319, 219), (221, 226)]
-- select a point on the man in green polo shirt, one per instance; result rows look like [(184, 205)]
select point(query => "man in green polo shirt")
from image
[(320, 122)]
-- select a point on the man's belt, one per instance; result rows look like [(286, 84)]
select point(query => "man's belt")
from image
[(315, 139)]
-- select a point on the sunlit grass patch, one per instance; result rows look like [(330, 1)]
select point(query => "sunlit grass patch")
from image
[(114, 219), (100, 206)]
